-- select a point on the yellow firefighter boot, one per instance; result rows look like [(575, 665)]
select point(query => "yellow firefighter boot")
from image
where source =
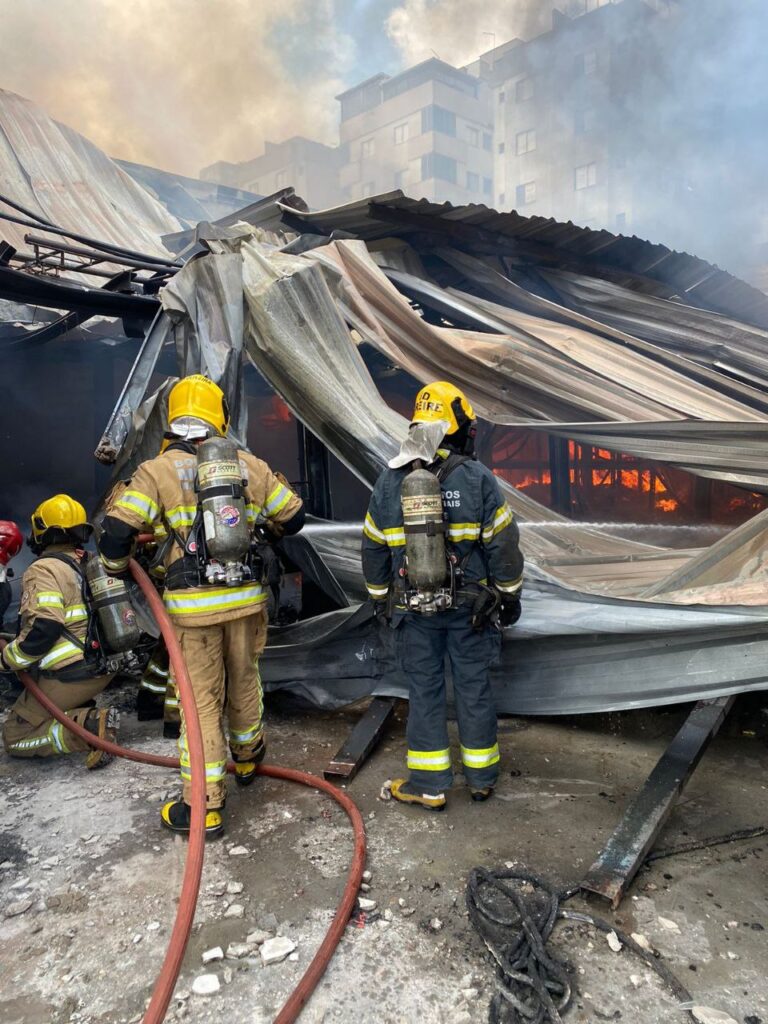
[(177, 816), (102, 722), (407, 793)]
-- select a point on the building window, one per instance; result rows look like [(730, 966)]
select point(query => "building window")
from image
[(502, 199), (367, 149), (281, 179), (487, 187), (473, 135), (435, 165), (584, 121), (502, 96), (525, 142), (588, 63), (524, 89), (525, 193), (401, 133), (585, 176), (400, 177), (501, 147), (621, 221), (438, 119), (473, 181), (487, 141)]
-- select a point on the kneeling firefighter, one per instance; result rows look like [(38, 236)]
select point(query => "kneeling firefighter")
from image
[(59, 639), (209, 495), (441, 560)]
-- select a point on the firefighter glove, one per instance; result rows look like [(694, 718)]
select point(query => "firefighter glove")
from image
[(509, 610)]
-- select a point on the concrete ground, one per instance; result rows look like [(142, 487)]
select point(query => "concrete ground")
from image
[(90, 880)]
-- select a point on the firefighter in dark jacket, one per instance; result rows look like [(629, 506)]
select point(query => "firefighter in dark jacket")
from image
[(484, 575)]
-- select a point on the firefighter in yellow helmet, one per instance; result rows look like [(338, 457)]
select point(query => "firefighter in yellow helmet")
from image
[(52, 641), (475, 590), (221, 625)]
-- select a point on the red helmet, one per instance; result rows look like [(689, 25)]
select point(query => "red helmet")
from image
[(10, 540)]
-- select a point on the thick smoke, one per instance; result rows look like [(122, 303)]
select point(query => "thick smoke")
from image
[(178, 83), (458, 31)]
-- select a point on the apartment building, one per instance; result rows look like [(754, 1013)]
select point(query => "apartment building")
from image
[(311, 167), (427, 131), (561, 147)]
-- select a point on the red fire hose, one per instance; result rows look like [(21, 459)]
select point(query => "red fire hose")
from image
[(190, 888)]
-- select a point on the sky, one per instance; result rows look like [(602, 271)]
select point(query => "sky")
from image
[(180, 84)]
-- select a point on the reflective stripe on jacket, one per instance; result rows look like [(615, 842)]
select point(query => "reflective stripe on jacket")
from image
[(51, 590)]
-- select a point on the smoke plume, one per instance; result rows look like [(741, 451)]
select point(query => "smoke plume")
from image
[(178, 83), (458, 31)]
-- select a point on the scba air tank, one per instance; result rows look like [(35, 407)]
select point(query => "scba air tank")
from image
[(225, 521), (427, 565), (112, 605)]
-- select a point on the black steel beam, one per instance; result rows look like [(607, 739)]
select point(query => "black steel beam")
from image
[(624, 853), (559, 474), (45, 291), (361, 741)]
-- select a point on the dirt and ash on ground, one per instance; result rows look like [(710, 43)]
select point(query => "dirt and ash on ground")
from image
[(89, 881)]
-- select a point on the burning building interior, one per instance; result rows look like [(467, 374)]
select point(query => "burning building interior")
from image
[(621, 394)]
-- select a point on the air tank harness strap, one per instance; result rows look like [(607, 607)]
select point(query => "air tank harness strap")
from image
[(93, 664), (430, 528)]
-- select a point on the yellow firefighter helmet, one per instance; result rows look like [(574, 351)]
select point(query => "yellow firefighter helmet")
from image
[(57, 513), (197, 396), (436, 402)]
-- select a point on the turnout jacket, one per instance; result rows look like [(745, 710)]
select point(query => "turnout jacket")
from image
[(51, 602), (161, 497), (481, 530)]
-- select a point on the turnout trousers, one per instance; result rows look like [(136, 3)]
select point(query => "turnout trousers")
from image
[(223, 664), (29, 731), (424, 643)]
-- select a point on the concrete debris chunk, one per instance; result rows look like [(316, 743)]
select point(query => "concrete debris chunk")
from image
[(614, 942), (273, 951), (235, 910), (642, 942), (388, 915), (436, 924), (385, 792), (636, 980), (233, 888), (706, 1015), (153, 926), (257, 937), (237, 950), (238, 851), (671, 926), (268, 922), (228, 975), (206, 985), (470, 994), (216, 953), (17, 907), (366, 904), (367, 876), (21, 883)]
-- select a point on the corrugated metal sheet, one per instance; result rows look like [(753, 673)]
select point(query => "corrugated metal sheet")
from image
[(630, 261), (61, 176)]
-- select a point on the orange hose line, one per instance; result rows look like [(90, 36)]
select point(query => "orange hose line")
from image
[(169, 972)]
